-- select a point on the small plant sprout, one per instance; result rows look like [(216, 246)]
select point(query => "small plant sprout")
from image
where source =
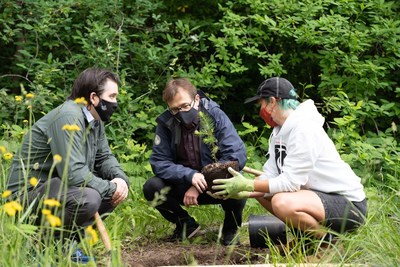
[(206, 132)]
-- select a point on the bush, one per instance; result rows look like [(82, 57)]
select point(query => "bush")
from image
[(325, 49)]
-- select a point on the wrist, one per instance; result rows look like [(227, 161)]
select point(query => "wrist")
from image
[(113, 187), (249, 186)]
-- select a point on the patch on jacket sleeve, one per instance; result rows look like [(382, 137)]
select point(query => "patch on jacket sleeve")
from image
[(157, 140)]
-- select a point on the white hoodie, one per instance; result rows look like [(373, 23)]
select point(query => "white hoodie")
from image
[(302, 156)]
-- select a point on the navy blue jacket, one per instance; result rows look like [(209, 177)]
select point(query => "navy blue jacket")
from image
[(168, 132)]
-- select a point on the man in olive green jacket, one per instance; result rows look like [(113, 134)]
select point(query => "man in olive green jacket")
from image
[(67, 151)]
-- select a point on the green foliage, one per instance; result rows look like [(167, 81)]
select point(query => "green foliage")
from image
[(343, 54), (373, 154)]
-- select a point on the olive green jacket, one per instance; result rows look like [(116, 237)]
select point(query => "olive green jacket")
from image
[(86, 156)]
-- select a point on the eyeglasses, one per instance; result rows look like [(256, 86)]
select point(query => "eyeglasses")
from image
[(184, 107)]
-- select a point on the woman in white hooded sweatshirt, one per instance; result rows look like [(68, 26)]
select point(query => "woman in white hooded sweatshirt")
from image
[(305, 182)]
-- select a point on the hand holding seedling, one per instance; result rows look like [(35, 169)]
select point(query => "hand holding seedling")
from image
[(235, 187)]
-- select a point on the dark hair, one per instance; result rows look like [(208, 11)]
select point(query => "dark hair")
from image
[(171, 88), (91, 80)]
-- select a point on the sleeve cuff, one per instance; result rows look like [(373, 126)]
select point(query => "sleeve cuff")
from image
[(113, 187)]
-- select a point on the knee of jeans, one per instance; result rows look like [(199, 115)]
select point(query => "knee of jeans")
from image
[(152, 186), (81, 208), (91, 200)]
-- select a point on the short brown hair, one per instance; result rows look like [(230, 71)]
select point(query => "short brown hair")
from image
[(171, 88), (91, 80)]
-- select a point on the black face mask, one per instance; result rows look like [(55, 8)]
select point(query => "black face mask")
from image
[(188, 118), (105, 109)]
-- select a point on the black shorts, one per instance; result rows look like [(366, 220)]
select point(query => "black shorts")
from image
[(342, 215)]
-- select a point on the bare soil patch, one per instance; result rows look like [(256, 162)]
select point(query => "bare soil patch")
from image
[(174, 253)]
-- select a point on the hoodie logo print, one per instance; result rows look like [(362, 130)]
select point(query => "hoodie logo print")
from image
[(280, 155)]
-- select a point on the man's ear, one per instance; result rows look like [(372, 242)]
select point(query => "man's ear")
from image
[(93, 98), (197, 100)]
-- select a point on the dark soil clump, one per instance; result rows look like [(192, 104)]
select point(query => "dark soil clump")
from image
[(218, 170)]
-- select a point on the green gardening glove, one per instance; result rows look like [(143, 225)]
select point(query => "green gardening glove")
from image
[(229, 188), (239, 195)]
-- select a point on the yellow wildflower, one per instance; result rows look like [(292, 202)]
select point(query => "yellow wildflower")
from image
[(6, 193), (2, 149), (25, 121), (53, 220), (29, 95), (18, 98), (57, 158), (71, 127), (33, 181), (46, 211), (52, 202), (81, 101), (12, 207), (8, 156), (93, 235)]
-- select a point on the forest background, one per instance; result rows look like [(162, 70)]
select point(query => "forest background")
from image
[(345, 55)]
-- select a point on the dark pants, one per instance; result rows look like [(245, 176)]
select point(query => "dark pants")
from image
[(171, 208), (78, 204)]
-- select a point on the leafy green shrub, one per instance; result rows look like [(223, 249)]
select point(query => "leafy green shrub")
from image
[(324, 48), (373, 153)]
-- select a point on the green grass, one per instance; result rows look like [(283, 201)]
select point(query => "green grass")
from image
[(377, 243), (136, 223)]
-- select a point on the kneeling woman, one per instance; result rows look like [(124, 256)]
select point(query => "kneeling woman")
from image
[(304, 183)]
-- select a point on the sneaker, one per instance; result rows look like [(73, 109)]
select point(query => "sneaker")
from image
[(230, 239), (190, 229), (79, 257), (185, 231), (176, 235)]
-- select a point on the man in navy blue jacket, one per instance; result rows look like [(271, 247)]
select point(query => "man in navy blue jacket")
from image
[(179, 155)]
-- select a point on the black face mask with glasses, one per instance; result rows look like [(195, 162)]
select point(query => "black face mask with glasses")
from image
[(189, 118)]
